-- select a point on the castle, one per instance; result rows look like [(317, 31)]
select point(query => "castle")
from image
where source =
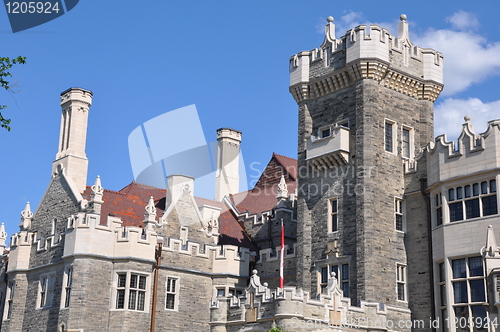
[(385, 228)]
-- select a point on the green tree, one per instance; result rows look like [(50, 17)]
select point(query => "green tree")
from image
[(5, 66)]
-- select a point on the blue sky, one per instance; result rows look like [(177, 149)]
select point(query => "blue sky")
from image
[(230, 58)]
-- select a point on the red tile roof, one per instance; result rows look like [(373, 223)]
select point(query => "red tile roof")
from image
[(128, 204), (290, 164), (263, 196)]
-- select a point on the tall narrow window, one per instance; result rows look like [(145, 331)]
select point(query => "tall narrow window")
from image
[(334, 222), (406, 143), (9, 298), (439, 211), (173, 293), (401, 282), (68, 280), (54, 226), (344, 280), (442, 297), (120, 290), (398, 212), (43, 292), (46, 290), (389, 137)]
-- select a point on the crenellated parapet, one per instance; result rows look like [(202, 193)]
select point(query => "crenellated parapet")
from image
[(293, 309), (85, 235), (471, 154), (367, 52)]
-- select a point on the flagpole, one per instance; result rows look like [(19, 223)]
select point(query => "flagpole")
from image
[(282, 256)]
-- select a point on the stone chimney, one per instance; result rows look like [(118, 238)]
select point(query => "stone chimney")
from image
[(75, 104), (177, 184), (227, 179)]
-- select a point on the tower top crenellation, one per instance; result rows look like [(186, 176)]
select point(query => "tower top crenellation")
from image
[(368, 51)]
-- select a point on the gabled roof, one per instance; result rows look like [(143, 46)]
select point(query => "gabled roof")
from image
[(290, 164), (263, 196), (277, 166)]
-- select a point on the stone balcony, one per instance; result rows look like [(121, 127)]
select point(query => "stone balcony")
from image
[(330, 151)]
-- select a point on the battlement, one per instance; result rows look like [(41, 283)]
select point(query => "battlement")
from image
[(86, 236), (273, 254), (366, 52), (292, 307), (76, 94), (471, 154)]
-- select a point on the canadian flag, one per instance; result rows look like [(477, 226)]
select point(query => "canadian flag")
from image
[(282, 256)]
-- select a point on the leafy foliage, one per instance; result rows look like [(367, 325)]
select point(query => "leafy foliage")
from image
[(5, 66), (275, 329)]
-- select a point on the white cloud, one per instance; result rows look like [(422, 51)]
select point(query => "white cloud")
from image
[(468, 57), (449, 115), (462, 20), (350, 20)]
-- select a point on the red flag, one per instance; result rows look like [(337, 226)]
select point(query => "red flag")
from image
[(282, 260)]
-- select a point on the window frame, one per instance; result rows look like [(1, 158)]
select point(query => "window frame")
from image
[(343, 278), (438, 209), (393, 138), (333, 215), (45, 293), (411, 142), (399, 211), (469, 200), (9, 299), (174, 292), (67, 286), (401, 280), (128, 289), (466, 280), (322, 129)]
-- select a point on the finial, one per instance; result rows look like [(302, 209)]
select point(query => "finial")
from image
[(150, 213), (97, 187), (467, 118), (330, 30), (26, 216), (282, 188), (3, 237), (96, 196), (3, 234), (254, 272), (403, 28)]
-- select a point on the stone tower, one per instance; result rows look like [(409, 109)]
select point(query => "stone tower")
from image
[(365, 108), (227, 178), (75, 104)]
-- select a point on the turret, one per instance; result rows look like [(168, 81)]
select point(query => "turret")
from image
[(227, 178), (75, 104)]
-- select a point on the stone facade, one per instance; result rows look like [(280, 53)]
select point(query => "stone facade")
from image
[(377, 229)]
